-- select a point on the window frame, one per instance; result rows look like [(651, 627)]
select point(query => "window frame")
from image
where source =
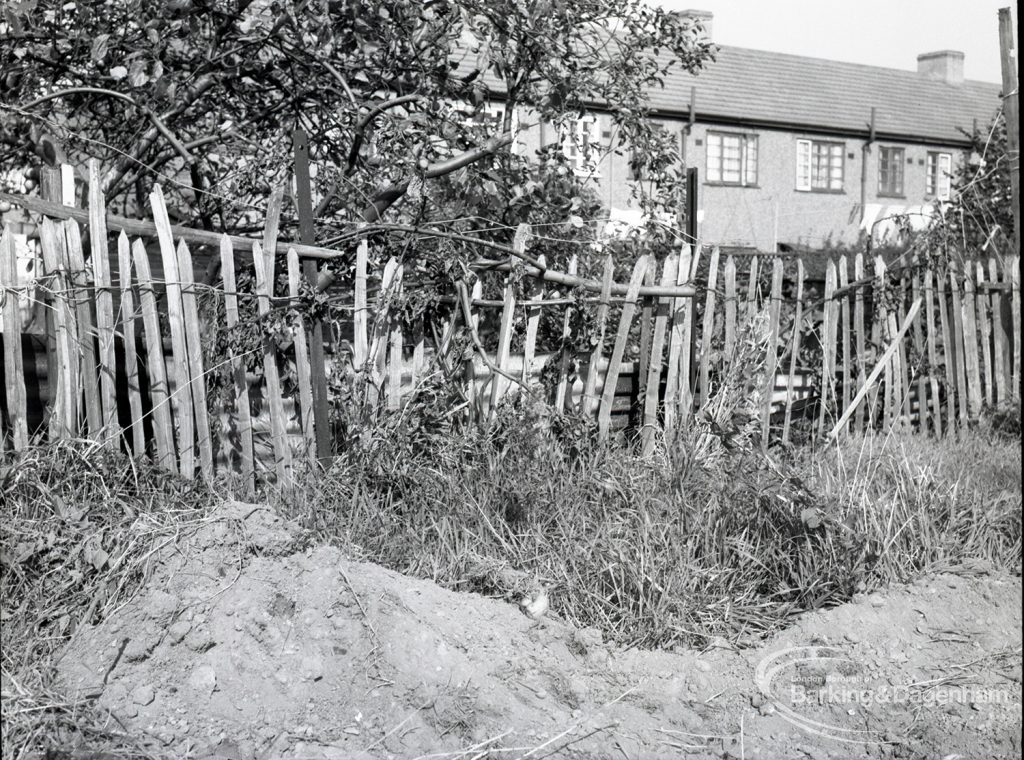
[(581, 141), (935, 176), (749, 144), (891, 157), (805, 165)]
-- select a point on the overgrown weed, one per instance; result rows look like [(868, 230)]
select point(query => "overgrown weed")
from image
[(709, 537)]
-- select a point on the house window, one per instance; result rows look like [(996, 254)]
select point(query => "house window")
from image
[(732, 158), (939, 173), (819, 166), (581, 144), (890, 171)]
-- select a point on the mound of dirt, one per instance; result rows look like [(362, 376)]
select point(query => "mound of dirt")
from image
[(247, 643)]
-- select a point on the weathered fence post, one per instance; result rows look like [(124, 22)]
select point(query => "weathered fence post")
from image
[(13, 363)]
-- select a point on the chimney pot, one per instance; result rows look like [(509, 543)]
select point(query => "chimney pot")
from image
[(944, 65)]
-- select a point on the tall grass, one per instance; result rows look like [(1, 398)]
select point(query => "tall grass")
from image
[(664, 550)]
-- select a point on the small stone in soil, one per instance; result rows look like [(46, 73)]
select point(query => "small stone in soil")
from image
[(203, 678), (143, 695)]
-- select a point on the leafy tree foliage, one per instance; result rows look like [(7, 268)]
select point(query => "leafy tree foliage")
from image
[(209, 91), (979, 218)]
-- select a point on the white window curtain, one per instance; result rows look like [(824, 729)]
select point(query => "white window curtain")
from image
[(803, 165)]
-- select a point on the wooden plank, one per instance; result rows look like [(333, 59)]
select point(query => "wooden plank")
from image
[(194, 346), (676, 345), (303, 200), (798, 318), (63, 413), (590, 400), (498, 382), (532, 323), (828, 362), (707, 332), (646, 327), (360, 322), (845, 345), (14, 367), (772, 357), (614, 364), (950, 356), (107, 367), (377, 354), (896, 398), (730, 308), (751, 303), (881, 337), (472, 398), (860, 339), (566, 353), (903, 374), (395, 342), (81, 293), (56, 413), (159, 389), (278, 424), (919, 350), (971, 343), (247, 461), (933, 350), (958, 343), (981, 301), (179, 343), (419, 352), (653, 381), (1013, 265), (686, 368), (131, 359), (302, 368), (1000, 342)]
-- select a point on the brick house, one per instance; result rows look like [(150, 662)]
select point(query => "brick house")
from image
[(796, 153)]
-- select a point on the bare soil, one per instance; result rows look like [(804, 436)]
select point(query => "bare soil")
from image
[(248, 643)]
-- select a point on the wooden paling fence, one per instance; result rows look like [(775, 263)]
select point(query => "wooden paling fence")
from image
[(127, 362)]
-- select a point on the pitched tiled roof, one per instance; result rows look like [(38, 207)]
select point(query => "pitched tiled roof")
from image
[(766, 88)]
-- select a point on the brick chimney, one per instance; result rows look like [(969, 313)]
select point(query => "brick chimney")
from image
[(704, 17), (945, 65)]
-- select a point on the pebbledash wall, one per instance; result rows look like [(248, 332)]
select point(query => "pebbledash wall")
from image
[(781, 100)]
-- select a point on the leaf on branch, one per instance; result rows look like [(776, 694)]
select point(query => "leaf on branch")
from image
[(99, 47), (137, 75)]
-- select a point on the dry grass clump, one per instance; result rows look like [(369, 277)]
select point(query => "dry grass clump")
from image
[(81, 524)]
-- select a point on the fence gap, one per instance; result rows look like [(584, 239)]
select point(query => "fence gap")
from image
[(653, 381), (264, 267), (614, 364), (708, 328), (247, 462), (795, 355), (131, 359)]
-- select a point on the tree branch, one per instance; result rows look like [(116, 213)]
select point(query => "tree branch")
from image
[(158, 123)]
